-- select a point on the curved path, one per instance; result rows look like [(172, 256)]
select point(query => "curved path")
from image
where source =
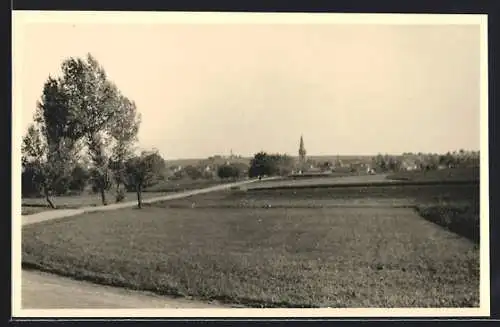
[(47, 291)]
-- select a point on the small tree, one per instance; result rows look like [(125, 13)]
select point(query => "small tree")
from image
[(144, 171), (261, 164), (49, 165), (193, 172), (31, 187), (124, 129), (271, 165)]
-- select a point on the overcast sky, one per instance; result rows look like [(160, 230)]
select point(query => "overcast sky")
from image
[(348, 89)]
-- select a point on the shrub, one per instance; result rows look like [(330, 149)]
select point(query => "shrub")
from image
[(460, 219)]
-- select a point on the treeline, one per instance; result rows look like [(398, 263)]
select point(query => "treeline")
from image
[(84, 132), (426, 161)]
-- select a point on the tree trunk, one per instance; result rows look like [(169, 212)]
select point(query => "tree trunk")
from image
[(117, 192), (139, 196), (49, 201), (103, 196)]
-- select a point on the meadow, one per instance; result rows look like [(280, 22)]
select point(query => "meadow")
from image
[(316, 247), (441, 175)]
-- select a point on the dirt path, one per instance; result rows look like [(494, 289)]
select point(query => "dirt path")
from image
[(46, 291)]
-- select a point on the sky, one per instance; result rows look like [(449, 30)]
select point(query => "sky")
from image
[(206, 89)]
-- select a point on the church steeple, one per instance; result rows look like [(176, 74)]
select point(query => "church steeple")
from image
[(302, 150)]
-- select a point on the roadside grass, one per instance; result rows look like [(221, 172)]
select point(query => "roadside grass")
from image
[(279, 251), (443, 175), (34, 205)]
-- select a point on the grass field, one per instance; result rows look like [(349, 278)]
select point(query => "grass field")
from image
[(303, 248), (452, 174), (185, 185)]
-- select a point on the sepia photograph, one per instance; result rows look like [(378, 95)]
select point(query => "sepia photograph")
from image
[(245, 164)]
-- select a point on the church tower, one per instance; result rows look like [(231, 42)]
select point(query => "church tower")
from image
[(302, 151)]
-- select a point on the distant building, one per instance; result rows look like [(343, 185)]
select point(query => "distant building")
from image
[(409, 164)]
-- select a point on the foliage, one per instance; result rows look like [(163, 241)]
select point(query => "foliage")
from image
[(31, 184), (270, 165), (427, 161), (144, 171), (193, 172), (82, 110), (230, 171), (460, 219), (80, 177), (124, 129), (96, 104), (49, 147)]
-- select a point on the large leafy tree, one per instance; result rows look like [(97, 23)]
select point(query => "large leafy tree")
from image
[(270, 164), (82, 110), (95, 102), (49, 147)]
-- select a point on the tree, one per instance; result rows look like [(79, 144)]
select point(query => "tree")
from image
[(49, 167), (95, 103), (193, 172), (233, 170), (260, 165), (380, 162), (144, 171), (30, 187), (224, 171), (49, 147), (393, 164), (326, 166), (283, 164), (124, 129), (271, 165)]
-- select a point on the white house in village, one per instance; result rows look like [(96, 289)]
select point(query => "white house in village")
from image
[(409, 165)]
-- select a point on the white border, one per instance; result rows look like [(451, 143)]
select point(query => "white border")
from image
[(21, 18)]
